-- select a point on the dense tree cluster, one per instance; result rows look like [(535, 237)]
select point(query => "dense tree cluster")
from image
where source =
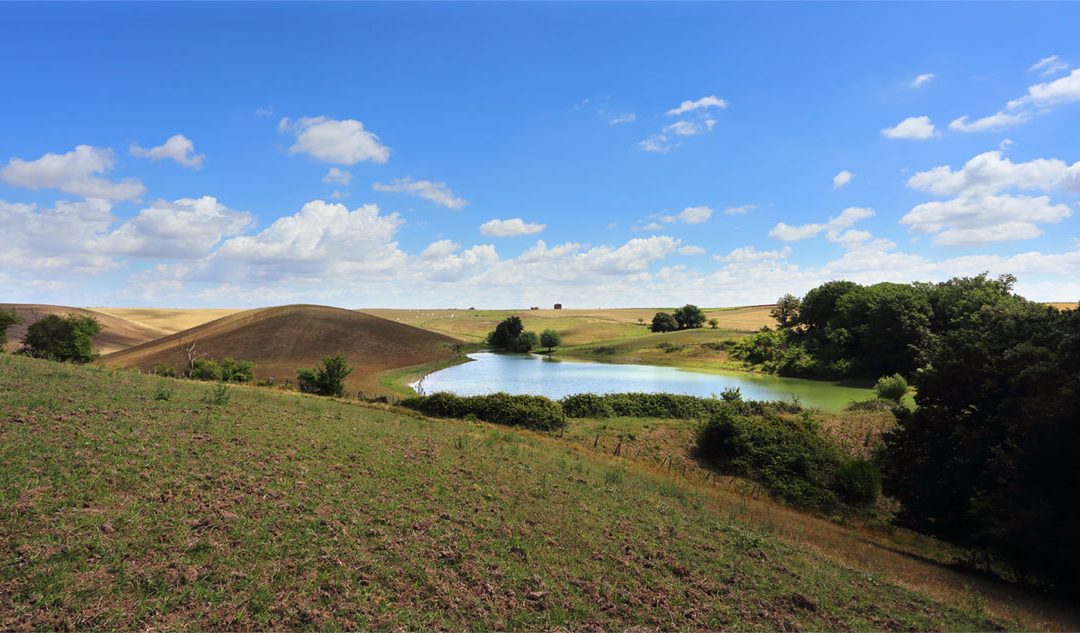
[(510, 335), (685, 318), (68, 338)]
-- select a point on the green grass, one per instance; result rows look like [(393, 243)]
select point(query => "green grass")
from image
[(119, 509)]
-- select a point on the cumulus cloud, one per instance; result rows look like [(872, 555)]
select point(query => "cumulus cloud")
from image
[(913, 127), (711, 101), (74, 172), (337, 176), (332, 141), (1040, 98), (921, 80), (979, 212), (628, 117), (694, 215), (690, 128), (751, 254), (437, 192), (847, 217), (58, 239), (177, 147), (187, 228), (510, 228), (841, 179), (440, 248)]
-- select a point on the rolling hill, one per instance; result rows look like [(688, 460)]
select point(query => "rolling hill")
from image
[(170, 320), (282, 339), (118, 333)]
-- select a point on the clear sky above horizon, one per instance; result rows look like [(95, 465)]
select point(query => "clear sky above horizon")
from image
[(505, 155)]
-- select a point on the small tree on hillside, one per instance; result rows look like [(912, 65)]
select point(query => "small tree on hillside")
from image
[(62, 338), (506, 332), (714, 323), (664, 322), (786, 311), (327, 380), (8, 318), (550, 339), (689, 317)]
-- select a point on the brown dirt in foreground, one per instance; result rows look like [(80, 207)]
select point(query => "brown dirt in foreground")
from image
[(283, 339)]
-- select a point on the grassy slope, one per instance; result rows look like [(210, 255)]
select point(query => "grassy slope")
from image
[(280, 340), (578, 327), (170, 320), (122, 510), (118, 333)]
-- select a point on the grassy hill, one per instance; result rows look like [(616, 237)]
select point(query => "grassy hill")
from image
[(578, 327), (169, 320), (130, 501), (280, 340), (117, 333)]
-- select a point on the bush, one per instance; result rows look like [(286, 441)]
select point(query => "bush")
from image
[(891, 388), (237, 370), (858, 482), (62, 338), (525, 342), (163, 370), (163, 391), (664, 322), (790, 458), (8, 318), (205, 369), (531, 412), (218, 395), (326, 380), (876, 405), (586, 405)]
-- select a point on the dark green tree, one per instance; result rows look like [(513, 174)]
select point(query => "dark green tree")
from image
[(62, 338), (8, 318), (664, 322), (550, 339), (326, 380), (786, 311), (506, 332), (233, 370), (818, 307), (525, 342), (689, 317)]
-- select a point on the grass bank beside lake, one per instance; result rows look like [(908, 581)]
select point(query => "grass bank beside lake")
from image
[(132, 501)]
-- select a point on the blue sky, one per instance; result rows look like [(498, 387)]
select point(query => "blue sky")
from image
[(501, 155)]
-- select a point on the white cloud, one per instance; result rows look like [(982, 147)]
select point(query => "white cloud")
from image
[(320, 241), (740, 209), (1049, 66), (841, 179), (510, 228), (913, 127), (1040, 98), (439, 249), (691, 250), (690, 128), (628, 117), (73, 172), (187, 228), (56, 240), (991, 172), (658, 144), (710, 101), (436, 192), (751, 254), (921, 80), (177, 147), (332, 141), (847, 217), (264, 112), (337, 176), (694, 215)]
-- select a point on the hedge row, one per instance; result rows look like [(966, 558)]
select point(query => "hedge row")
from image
[(666, 405), (531, 412)]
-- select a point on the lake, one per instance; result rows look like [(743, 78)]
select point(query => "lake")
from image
[(490, 372)]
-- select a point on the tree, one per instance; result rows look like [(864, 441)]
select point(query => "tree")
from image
[(689, 317), (818, 307), (506, 332), (786, 311), (326, 380), (191, 352), (525, 342), (550, 339), (8, 318), (237, 370), (205, 369), (714, 323), (891, 388), (664, 322), (62, 338)]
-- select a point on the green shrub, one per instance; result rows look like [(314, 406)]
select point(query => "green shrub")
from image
[(327, 379), (205, 369), (163, 391), (586, 405), (62, 338), (531, 412), (792, 460), (873, 404), (218, 395), (891, 387), (237, 370), (163, 370), (525, 342), (858, 482), (8, 318)]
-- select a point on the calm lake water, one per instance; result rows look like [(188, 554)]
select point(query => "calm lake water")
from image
[(539, 375)]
